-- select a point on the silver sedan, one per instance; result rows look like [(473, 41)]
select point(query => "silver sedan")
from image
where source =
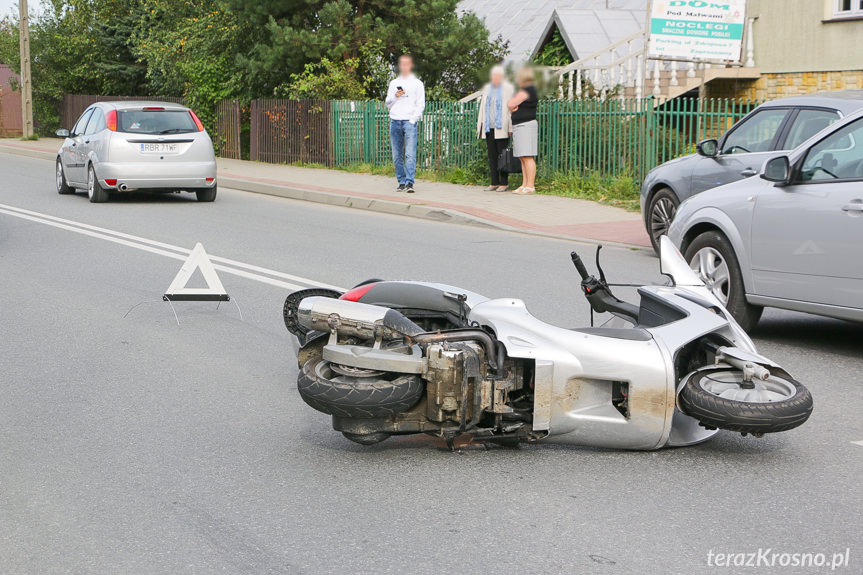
[(126, 146), (789, 239)]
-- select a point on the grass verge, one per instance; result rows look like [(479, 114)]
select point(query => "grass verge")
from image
[(618, 191)]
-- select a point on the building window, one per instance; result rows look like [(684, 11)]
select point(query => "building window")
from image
[(845, 8)]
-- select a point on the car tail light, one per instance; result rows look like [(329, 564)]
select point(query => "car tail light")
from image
[(111, 182), (197, 121), (357, 293), (154, 109), (111, 120), (209, 180)]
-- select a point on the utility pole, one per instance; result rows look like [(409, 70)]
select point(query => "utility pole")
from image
[(26, 81)]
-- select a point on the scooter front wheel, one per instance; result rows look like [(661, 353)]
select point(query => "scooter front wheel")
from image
[(721, 398)]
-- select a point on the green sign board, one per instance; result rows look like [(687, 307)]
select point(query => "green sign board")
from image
[(700, 30)]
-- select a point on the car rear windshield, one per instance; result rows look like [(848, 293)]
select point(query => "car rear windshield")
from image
[(156, 122)]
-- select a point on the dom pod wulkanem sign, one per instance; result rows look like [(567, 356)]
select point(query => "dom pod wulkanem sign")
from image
[(703, 30)]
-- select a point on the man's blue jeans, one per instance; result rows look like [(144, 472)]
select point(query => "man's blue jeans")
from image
[(403, 138)]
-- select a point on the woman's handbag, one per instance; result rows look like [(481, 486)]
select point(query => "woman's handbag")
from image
[(508, 163)]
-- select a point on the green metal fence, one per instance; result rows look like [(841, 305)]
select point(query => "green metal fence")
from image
[(611, 138), (446, 138)]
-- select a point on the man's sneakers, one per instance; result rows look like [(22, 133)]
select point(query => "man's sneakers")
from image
[(401, 188), (409, 188)]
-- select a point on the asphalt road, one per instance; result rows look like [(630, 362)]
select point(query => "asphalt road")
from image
[(134, 445)]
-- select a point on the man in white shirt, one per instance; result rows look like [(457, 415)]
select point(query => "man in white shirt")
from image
[(406, 100)]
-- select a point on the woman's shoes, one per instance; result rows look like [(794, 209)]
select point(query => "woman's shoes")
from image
[(491, 188), (502, 189), (523, 191)]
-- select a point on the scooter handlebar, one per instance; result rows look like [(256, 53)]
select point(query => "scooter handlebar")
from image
[(579, 265)]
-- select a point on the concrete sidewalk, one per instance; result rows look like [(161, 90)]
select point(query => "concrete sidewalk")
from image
[(552, 216)]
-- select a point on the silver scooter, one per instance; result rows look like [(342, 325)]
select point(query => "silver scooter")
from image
[(394, 358)]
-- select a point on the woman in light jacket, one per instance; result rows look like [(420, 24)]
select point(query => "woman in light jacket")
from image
[(493, 124)]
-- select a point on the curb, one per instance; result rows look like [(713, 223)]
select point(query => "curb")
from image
[(421, 211), (436, 214), (38, 154)]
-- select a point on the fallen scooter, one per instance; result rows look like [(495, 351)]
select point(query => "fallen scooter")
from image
[(396, 357)]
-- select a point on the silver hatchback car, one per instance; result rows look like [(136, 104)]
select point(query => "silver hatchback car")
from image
[(126, 146), (789, 239)]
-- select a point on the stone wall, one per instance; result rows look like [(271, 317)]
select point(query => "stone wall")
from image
[(771, 86), (782, 85)]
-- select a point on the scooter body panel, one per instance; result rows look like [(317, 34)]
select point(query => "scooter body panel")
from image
[(577, 373)]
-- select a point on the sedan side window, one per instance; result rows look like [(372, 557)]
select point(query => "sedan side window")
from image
[(756, 134), (81, 125), (839, 156), (96, 123), (808, 123)]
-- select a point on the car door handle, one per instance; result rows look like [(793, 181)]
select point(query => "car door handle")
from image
[(748, 173), (856, 206)]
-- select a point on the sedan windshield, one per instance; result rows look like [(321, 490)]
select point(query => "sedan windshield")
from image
[(156, 122)]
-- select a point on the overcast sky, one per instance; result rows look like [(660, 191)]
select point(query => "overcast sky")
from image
[(7, 6)]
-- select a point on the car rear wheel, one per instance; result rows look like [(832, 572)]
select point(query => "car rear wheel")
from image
[(711, 256), (95, 191), (63, 186), (660, 213), (207, 194)]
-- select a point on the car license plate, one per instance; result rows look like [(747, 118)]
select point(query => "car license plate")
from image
[(158, 148)]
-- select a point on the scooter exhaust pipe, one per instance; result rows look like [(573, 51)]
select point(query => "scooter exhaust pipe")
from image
[(354, 318)]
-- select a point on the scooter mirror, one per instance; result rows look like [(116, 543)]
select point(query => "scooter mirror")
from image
[(672, 264)]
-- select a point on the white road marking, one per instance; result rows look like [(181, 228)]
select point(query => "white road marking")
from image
[(234, 267), (860, 443)]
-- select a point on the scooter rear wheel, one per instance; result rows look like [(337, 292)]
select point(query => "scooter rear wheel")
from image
[(718, 398), (348, 393)]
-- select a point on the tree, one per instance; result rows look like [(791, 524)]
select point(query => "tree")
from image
[(450, 50), (554, 52), (189, 48), (326, 81), (208, 50)]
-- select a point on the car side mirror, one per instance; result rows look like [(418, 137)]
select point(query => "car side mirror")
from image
[(62, 133), (777, 170), (707, 148)]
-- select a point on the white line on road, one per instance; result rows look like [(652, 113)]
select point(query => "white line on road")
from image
[(234, 267), (860, 443)]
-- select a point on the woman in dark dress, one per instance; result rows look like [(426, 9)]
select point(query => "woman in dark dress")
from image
[(525, 130)]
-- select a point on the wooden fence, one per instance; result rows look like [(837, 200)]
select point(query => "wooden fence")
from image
[(291, 131), (229, 129), (11, 120)]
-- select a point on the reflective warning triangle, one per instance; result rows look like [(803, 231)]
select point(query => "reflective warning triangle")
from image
[(214, 291)]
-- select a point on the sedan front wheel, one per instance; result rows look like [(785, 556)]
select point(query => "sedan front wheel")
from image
[(712, 257), (660, 213)]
